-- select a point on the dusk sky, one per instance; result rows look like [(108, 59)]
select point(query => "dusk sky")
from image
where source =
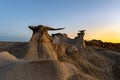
[(100, 18)]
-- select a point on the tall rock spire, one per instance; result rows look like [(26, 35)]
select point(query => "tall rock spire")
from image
[(79, 40)]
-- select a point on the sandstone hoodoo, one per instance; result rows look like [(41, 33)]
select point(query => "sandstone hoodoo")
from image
[(40, 61), (79, 40), (40, 44), (58, 57)]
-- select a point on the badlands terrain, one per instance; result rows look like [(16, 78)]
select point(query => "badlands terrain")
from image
[(58, 57)]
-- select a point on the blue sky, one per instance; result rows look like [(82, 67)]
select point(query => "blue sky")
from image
[(101, 18)]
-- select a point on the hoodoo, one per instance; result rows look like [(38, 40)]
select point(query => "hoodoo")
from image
[(40, 62), (79, 40), (59, 58), (40, 44)]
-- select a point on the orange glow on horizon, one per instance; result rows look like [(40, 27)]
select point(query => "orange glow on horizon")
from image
[(105, 37), (108, 34)]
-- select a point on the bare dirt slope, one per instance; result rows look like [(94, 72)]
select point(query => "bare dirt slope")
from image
[(99, 63), (15, 48)]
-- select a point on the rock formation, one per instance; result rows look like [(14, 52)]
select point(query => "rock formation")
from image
[(58, 57), (40, 45), (79, 40), (40, 61)]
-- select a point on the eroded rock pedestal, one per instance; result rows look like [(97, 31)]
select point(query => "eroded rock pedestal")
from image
[(79, 40), (58, 58)]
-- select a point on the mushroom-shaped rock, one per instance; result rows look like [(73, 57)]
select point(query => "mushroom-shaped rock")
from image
[(79, 40), (40, 45)]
